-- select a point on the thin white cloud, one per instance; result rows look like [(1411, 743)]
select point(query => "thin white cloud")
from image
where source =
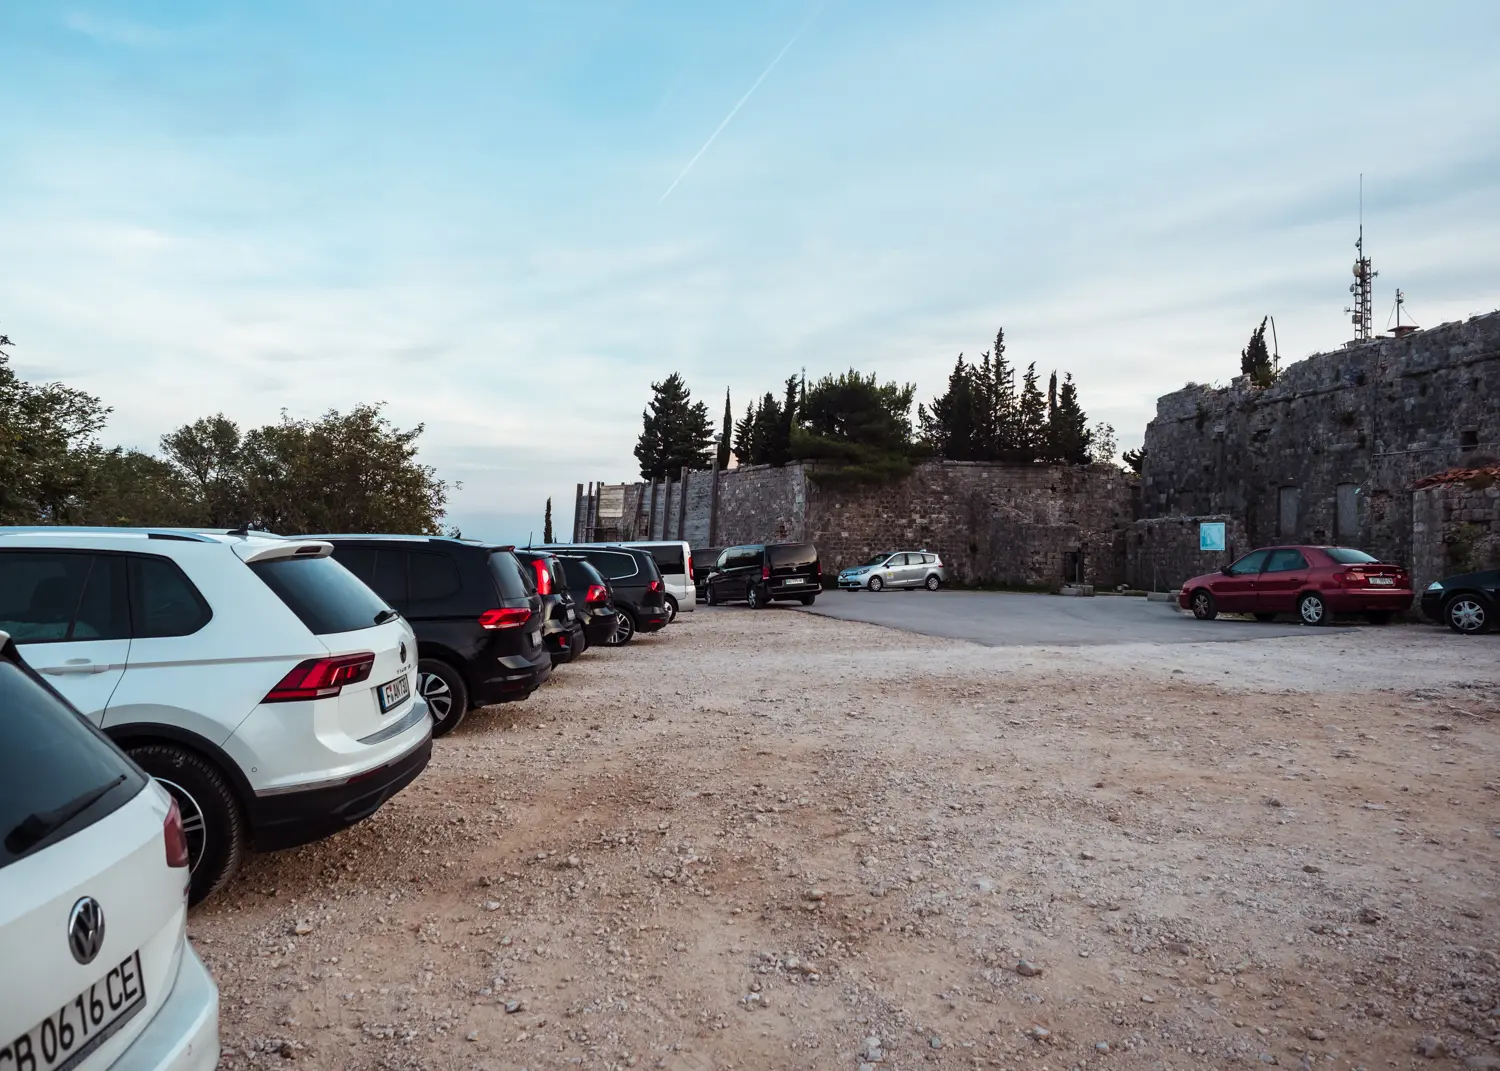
[(114, 30)]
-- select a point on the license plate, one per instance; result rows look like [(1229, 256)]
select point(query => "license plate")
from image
[(1383, 581), (568, 615), (66, 1037), (394, 693)]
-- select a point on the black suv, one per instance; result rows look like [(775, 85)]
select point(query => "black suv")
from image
[(474, 608), (761, 572), (592, 599), (635, 582), (704, 560), (562, 630)]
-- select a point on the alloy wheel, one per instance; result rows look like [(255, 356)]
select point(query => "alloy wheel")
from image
[(876, 583), (1466, 615), (624, 629), (194, 828), (437, 694), (1311, 610), (932, 583)]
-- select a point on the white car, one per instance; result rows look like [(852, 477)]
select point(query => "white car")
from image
[(674, 557), (98, 972), (270, 691)]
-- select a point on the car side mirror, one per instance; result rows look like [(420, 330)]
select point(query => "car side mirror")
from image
[(1226, 570)]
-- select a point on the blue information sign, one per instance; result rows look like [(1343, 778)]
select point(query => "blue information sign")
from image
[(1211, 535)]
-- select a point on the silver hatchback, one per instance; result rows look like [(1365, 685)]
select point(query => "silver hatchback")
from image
[(896, 569)]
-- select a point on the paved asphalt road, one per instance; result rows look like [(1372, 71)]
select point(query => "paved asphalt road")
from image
[(1005, 619)]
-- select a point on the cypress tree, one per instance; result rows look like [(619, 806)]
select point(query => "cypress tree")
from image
[(726, 430), (1031, 419)]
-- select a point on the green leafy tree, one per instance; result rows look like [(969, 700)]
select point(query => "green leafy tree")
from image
[(1103, 448), (208, 453), (47, 447), (1255, 359), (858, 409), (1031, 420), (134, 489), (676, 431), (547, 536), (726, 430)]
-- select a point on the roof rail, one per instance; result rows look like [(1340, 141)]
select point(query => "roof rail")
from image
[(186, 535)]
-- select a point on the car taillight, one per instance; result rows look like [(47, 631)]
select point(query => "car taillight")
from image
[(512, 617), (655, 585), (171, 830), (596, 593), (691, 570), (321, 678), (543, 577), (765, 572)]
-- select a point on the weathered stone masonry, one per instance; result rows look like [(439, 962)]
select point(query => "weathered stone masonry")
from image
[(1331, 451)]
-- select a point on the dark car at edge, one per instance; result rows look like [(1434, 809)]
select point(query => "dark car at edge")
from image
[(1466, 603), (591, 598), (562, 631), (635, 581)]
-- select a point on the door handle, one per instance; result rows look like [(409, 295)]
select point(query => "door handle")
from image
[(74, 666)]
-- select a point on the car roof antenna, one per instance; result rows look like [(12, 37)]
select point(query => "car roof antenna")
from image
[(242, 530)]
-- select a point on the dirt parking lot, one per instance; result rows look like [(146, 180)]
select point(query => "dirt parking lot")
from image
[(775, 840)]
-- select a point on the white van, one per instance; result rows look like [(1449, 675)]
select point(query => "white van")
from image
[(675, 560)]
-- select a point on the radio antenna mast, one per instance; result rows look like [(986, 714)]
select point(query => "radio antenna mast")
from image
[(1364, 278)]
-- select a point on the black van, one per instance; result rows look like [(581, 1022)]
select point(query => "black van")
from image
[(474, 608), (759, 573)]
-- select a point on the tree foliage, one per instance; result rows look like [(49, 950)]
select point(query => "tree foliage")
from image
[(675, 432), (346, 472), (1135, 459), (1255, 359), (547, 523), (726, 432)]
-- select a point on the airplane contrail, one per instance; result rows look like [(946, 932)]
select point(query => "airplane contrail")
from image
[(741, 103)]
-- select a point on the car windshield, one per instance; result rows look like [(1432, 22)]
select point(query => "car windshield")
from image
[(879, 559), (1350, 556)]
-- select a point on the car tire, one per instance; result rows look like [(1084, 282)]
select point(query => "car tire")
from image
[(755, 598), (1204, 608), (1468, 615), (442, 686), (932, 583), (624, 629), (671, 609), (1312, 610), (1382, 617), (808, 600), (876, 583), (1263, 618), (216, 832), (710, 597)]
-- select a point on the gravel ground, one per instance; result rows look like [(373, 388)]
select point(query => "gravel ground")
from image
[(774, 840)]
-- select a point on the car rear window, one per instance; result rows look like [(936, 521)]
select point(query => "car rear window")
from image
[(513, 581), (1349, 556), (580, 573), (614, 564), (668, 559), (325, 596), (51, 764), (785, 554)]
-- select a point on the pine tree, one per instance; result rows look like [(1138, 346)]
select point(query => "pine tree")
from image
[(780, 450), (676, 431), (1055, 432), (1031, 419), (1255, 359), (763, 434), (726, 430), (949, 426), (1136, 459), (1005, 416), (547, 524), (744, 437), (1071, 435)]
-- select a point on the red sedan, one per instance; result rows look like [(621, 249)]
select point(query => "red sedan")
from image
[(1313, 582)]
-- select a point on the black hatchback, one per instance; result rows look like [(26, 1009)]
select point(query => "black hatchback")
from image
[(760, 573), (474, 608), (562, 626), (635, 582)]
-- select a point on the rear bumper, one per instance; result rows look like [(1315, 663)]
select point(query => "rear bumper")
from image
[(1373, 602), (288, 819), (510, 679), (183, 1035), (651, 622), (795, 591), (599, 627)]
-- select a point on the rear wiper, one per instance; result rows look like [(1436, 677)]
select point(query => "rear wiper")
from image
[(37, 825), (386, 615)]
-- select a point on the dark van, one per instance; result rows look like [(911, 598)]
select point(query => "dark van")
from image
[(760, 573), (475, 610)]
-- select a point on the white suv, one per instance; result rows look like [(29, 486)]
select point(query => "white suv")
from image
[(93, 890), (257, 679)]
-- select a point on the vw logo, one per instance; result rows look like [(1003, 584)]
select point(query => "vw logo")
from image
[(86, 929), (403, 652)]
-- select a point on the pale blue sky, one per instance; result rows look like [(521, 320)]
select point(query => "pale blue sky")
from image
[(456, 208)]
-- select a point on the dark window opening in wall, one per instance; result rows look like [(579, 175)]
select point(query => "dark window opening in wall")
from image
[(1288, 510), (1468, 439), (1346, 513)]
